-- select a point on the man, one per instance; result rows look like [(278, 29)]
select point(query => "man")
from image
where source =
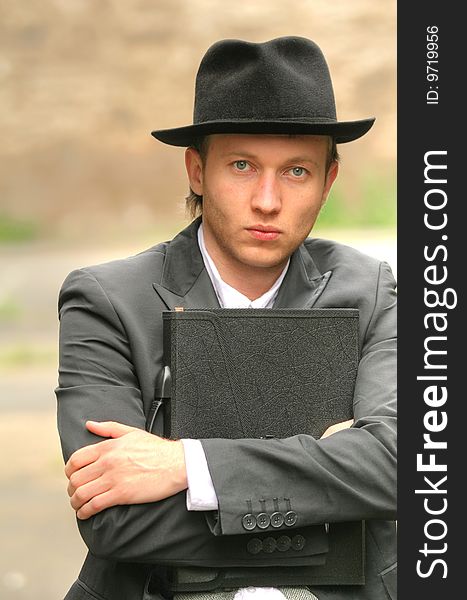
[(261, 160)]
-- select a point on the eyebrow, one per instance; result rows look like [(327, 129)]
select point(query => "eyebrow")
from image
[(301, 159)]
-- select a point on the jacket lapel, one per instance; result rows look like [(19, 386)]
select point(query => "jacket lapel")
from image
[(186, 283), (303, 284), (184, 280)]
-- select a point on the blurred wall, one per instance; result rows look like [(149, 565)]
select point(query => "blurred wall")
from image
[(82, 83)]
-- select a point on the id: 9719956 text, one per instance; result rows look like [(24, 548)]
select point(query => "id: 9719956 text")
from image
[(432, 95)]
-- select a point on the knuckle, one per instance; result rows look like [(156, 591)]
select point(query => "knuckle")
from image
[(106, 461), (73, 463), (96, 504), (80, 495)]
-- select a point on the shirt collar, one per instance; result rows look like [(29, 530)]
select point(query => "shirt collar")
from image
[(228, 296)]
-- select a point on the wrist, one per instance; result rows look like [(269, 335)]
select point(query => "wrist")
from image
[(179, 474)]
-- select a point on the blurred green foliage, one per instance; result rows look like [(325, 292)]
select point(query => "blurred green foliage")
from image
[(375, 207), (25, 355), (9, 310), (17, 230)]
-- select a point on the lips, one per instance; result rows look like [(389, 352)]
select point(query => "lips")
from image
[(264, 232)]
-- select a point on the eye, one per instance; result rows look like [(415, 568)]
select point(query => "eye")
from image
[(241, 165), (298, 171)]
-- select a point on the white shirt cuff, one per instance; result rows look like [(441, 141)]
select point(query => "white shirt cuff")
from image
[(200, 494)]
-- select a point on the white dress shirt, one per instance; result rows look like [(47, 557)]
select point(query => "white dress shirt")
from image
[(200, 493)]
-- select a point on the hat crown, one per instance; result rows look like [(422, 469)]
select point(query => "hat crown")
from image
[(278, 87), (285, 79)]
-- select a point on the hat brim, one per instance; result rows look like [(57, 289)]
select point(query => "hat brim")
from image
[(344, 131)]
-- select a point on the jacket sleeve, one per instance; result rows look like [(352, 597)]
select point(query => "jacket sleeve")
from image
[(348, 476), (97, 381)]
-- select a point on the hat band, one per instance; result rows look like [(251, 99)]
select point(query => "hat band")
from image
[(310, 120)]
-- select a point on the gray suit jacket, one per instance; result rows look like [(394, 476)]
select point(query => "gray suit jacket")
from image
[(110, 356)]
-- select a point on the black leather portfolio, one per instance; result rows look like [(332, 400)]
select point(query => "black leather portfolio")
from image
[(249, 373), (258, 373)]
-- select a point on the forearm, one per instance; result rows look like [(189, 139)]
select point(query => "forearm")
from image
[(348, 476)]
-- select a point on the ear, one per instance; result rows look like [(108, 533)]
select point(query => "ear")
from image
[(194, 169), (330, 178)]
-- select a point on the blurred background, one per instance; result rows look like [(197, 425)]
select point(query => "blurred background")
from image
[(82, 84)]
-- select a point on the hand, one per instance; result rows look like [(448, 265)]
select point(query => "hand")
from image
[(337, 427), (133, 467)]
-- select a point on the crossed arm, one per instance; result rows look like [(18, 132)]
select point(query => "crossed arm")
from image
[(131, 467)]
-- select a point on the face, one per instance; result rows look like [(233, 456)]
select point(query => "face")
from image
[(261, 195)]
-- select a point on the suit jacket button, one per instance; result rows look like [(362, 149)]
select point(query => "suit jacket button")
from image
[(298, 542), (263, 520), (290, 518), (254, 546), (249, 521), (277, 519), (269, 545), (284, 543)]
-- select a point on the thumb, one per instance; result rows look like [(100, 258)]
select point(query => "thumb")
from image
[(110, 429)]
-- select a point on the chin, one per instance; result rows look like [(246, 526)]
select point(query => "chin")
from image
[(265, 260)]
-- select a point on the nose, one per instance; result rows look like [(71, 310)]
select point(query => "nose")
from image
[(266, 196)]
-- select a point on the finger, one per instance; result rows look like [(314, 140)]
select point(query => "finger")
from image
[(81, 458), (86, 493), (84, 475), (109, 428), (70, 489), (96, 505)]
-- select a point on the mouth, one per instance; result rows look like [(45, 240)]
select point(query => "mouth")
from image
[(264, 232)]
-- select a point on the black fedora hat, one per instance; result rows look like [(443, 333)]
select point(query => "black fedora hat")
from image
[(279, 86)]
